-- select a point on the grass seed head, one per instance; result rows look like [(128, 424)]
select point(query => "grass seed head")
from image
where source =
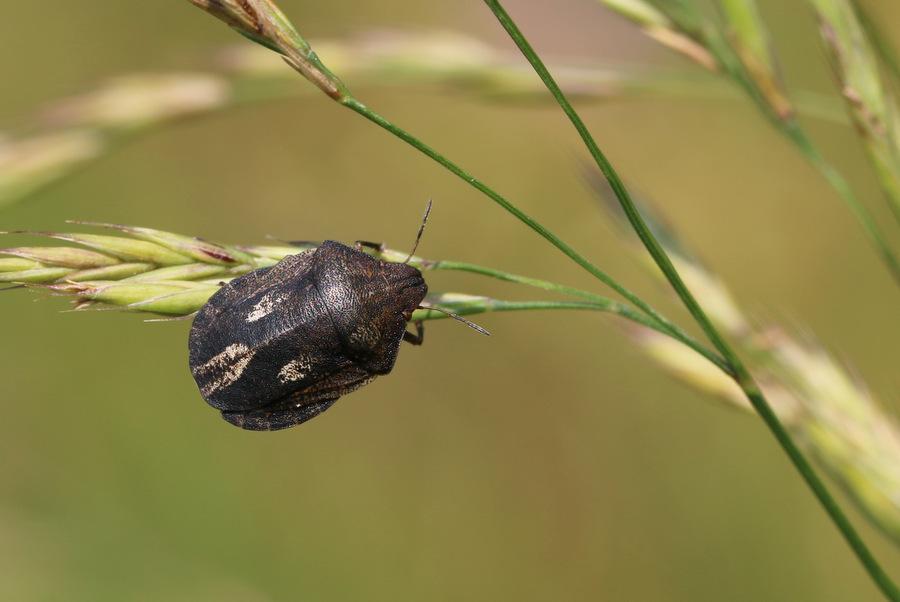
[(144, 270)]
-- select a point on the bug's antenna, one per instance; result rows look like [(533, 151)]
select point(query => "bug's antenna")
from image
[(456, 317), (419, 235)]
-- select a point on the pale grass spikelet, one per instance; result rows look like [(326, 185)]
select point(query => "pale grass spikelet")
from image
[(150, 270), (871, 102), (384, 55), (719, 304), (689, 368), (263, 22), (140, 100), (664, 29), (843, 426), (233, 12), (750, 40)]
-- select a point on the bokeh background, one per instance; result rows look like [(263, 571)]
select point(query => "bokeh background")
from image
[(551, 461)]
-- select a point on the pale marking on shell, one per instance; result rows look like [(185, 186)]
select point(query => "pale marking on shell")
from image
[(265, 306), (294, 370), (228, 365), (364, 335)]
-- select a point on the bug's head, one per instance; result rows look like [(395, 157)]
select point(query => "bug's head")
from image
[(407, 286), (414, 288)]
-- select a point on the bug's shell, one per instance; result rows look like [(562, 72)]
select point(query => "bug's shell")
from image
[(279, 345)]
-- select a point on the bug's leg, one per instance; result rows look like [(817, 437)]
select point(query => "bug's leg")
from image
[(377, 246), (415, 339)]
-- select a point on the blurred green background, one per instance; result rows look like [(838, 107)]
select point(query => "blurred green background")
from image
[(550, 461)]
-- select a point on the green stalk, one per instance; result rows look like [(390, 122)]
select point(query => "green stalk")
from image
[(737, 369), (597, 302), (484, 304), (478, 305)]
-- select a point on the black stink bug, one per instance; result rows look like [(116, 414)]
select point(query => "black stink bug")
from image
[(279, 345)]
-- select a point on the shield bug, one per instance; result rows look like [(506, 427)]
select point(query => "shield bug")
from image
[(279, 345)]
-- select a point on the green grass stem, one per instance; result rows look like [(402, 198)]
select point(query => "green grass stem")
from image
[(596, 302)]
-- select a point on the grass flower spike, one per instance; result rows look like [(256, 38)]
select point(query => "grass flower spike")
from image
[(750, 40), (263, 22), (150, 270), (870, 100)]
